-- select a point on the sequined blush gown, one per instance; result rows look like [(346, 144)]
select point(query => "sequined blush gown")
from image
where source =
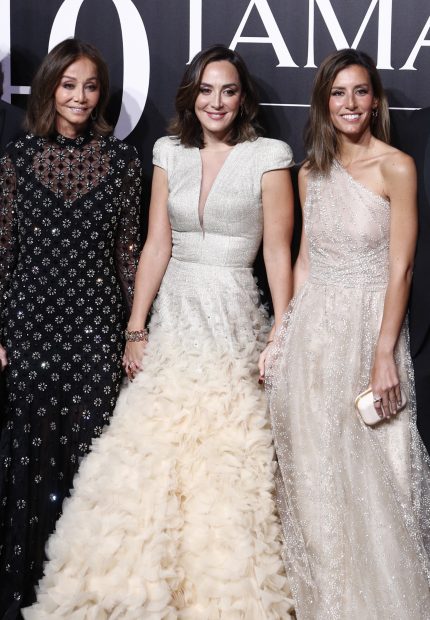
[(173, 513), (68, 251), (354, 500)]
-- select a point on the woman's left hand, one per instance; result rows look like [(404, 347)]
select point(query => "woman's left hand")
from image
[(385, 385)]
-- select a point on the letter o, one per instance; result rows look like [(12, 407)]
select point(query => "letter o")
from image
[(136, 70)]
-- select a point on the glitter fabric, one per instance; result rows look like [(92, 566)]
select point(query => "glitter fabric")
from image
[(173, 514), (68, 251), (354, 500)]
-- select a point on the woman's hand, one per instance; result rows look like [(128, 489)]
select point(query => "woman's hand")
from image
[(132, 358), (385, 385), (264, 361), (3, 358)]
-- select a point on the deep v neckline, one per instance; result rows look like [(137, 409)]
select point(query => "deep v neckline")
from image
[(213, 185)]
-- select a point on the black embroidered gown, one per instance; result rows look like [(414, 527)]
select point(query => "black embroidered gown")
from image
[(68, 252)]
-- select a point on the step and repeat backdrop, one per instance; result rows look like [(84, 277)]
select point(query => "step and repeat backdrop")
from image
[(147, 44)]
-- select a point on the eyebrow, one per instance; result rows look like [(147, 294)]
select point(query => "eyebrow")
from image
[(70, 77), (355, 85), (224, 85)]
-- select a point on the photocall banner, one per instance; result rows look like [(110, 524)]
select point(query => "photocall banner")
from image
[(148, 43)]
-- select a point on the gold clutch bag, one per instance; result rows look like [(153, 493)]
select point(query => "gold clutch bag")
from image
[(366, 407)]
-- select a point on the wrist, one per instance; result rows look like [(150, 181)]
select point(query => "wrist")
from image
[(136, 335), (384, 350), (136, 324)]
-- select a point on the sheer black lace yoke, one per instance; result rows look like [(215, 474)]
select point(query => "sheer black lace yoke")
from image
[(71, 168)]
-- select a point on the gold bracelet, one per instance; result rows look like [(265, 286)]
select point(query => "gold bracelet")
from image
[(139, 335)]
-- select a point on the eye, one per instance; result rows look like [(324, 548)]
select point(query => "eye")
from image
[(230, 92), (92, 87), (336, 93), (362, 91), (205, 90), (68, 85)]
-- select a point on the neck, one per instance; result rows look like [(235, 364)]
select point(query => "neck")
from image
[(215, 143), (351, 151), (70, 132)]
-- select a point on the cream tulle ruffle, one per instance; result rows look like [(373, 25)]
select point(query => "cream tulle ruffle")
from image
[(172, 514)]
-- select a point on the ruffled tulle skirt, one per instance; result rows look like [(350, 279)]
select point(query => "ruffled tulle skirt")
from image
[(172, 513)]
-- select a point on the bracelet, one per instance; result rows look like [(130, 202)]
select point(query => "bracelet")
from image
[(140, 335)]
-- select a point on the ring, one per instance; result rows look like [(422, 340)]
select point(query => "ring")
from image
[(377, 399)]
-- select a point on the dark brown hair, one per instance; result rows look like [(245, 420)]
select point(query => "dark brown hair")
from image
[(41, 113), (186, 125), (321, 138)]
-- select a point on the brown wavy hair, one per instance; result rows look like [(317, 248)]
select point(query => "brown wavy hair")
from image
[(187, 127), (41, 112), (321, 137)]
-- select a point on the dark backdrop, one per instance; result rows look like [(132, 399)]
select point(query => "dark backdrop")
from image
[(147, 44)]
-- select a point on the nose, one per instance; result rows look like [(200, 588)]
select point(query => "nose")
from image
[(217, 99), (79, 93), (350, 101)]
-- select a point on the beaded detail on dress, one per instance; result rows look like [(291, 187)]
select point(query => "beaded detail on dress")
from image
[(354, 501), (69, 242)]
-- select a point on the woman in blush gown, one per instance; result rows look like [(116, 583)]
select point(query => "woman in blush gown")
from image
[(353, 499), (173, 513)]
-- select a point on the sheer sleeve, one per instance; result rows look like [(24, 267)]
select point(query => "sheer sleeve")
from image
[(128, 235), (8, 227)]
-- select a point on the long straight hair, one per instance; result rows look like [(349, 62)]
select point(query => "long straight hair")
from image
[(321, 138), (41, 111)]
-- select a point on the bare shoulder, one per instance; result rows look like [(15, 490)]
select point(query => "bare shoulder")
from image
[(304, 170), (396, 165)]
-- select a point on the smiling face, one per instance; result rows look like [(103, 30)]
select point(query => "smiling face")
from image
[(352, 101), (76, 97), (219, 99)]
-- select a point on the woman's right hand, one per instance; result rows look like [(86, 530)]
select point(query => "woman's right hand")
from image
[(132, 358), (3, 358)]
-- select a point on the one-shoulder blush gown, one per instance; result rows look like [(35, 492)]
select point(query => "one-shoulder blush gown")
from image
[(172, 513), (354, 500)]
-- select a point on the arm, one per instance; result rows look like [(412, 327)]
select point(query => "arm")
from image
[(301, 267), (128, 237), (8, 234), (399, 177), (152, 266), (278, 218)]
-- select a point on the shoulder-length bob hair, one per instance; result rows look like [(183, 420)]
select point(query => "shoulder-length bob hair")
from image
[(186, 125), (41, 113), (321, 137)]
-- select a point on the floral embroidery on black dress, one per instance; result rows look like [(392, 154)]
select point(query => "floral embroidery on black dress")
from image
[(69, 245)]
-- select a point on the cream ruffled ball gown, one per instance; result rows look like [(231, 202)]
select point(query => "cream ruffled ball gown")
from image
[(172, 513)]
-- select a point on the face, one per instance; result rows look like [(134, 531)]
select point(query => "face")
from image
[(352, 101), (76, 97), (219, 99)]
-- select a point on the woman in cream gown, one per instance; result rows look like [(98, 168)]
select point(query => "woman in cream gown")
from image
[(172, 514), (354, 500)]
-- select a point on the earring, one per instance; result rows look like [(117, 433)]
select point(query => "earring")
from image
[(94, 114), (375, 113)]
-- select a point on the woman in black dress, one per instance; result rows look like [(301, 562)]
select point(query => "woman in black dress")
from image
[(69, 204)]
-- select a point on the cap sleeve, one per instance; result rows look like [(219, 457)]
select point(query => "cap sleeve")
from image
[(276, 155), (162, 151)]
